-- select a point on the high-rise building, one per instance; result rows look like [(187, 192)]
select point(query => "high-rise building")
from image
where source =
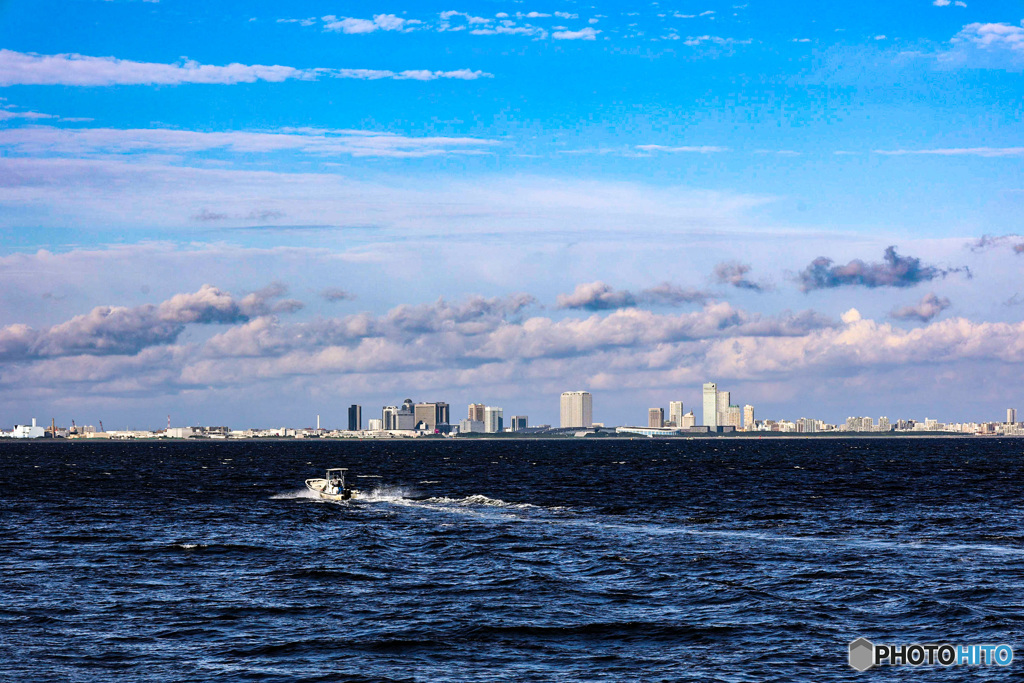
[(723, 406), (389, 417), (374, 425), (883, 424), (355, 418), (494, 420), (675, 412), (711, 405), (732, 417), (519, 422), (430, 415), (405, 417), (748, 417), (476, 411), (1011, 415), (656, 418), (687, 421), (577, 409)]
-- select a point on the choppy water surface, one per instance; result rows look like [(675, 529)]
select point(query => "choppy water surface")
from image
[(523, 561)]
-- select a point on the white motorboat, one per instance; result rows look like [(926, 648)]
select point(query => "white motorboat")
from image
[(332, 486)]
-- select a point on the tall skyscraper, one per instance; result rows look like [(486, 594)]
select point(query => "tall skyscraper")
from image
[(675, 412), (711, 405), (494, 419), (518, 423), (723, 406), (389, 417), (355, 418), (748, 417), (656, 418), (1011, 415), (577, 409), (476, 411)]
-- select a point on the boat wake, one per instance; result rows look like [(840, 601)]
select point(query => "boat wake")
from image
[(295, 495), (479, 500), (386, 494)]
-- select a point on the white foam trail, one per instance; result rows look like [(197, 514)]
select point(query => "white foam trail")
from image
[(294, 495), (477, 499), (385, 494)]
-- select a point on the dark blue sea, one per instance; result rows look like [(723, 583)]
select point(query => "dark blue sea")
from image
[(703, 560)]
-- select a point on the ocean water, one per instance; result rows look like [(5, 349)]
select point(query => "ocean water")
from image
[(704, 560)]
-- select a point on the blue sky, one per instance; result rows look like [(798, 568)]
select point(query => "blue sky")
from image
[(255, 212)]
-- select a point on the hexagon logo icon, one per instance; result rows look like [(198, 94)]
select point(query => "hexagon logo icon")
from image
[(862, 654)]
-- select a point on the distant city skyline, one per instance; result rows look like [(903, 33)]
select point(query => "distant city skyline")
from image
[(252, 213), (576, 411)]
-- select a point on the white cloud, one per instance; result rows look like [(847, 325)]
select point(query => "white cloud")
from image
[(957, 151), (992, 37), (7, 113), (941, 3), (698, 149), (511, 30), (18, 68), (48, 140), (380, 22), (310, 21), (694, 41), (470, 19), (122, 330), (588, 33), (21, 68)]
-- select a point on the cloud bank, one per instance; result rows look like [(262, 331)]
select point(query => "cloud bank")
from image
[(29, 68)]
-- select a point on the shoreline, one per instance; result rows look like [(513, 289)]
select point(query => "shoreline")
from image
[(589, 438)]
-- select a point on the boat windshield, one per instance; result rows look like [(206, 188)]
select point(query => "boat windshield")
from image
[(336, 476)]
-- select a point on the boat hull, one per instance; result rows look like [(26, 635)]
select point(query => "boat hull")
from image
[(320, 488)]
